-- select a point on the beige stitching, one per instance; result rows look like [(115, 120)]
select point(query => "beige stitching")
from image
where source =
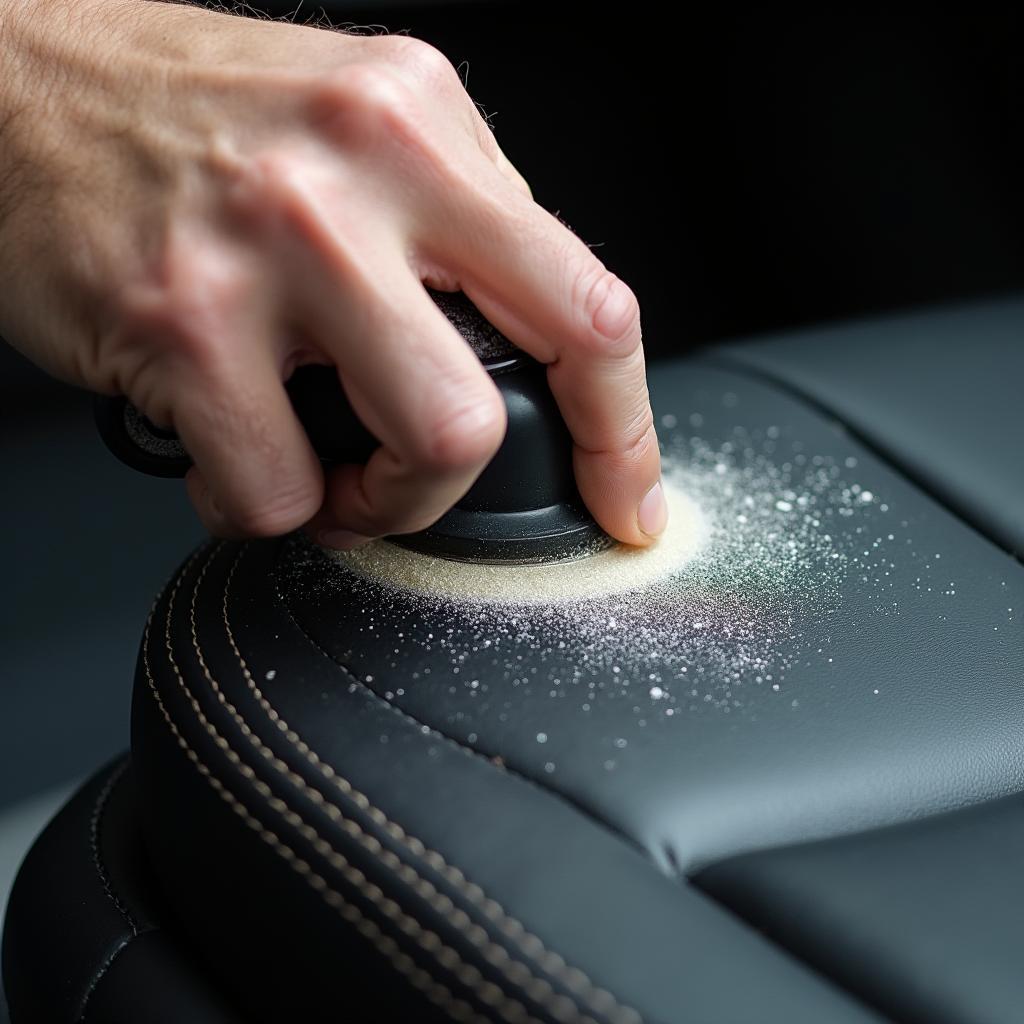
[(538, 989), (598, 999), (490, 994), (493, 952), (419, 978)]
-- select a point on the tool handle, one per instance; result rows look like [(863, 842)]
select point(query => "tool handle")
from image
[(320, 403)]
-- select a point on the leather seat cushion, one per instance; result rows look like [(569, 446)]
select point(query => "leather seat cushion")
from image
[(936, 391), (86, 936), (336, 817), (308, 860), (922, 918), (297, 739)]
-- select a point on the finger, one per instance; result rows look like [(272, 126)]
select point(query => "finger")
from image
[(540, 285), (207, 509), (489, 144), (418, 387), (255, 471), (509, 170)]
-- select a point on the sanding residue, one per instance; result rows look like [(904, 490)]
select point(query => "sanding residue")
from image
[(778, 559), (744, 584), (617, 569)]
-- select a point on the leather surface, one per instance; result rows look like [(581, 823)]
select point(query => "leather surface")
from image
[(923, 918), (825, 754), (83, 937), (315, 867), (338, 818), (938, 392), (280, 700)]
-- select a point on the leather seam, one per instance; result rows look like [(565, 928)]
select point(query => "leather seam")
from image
[(599, 1000), (95, 833), (101, 974), (575, 980), (456, 744), (448, 958), (95, 839), (496, 955), (726, 361)]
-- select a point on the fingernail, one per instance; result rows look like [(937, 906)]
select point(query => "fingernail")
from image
[(652, 513), (341, 540), (615, 314)]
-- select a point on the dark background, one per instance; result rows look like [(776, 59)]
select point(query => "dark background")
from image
[(743, 173), (747, 172)]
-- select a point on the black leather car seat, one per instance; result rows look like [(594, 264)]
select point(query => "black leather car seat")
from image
[(322, 820)]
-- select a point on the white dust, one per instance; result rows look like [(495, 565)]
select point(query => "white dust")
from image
[(614, 570)]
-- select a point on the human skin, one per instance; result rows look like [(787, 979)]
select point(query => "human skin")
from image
[(192, 204)]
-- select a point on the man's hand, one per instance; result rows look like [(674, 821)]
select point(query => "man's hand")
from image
[(193, 204)]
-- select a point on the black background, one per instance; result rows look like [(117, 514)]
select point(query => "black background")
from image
[(746, 172)]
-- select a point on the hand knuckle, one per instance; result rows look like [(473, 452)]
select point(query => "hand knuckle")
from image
[(367, 102), (426, 62), (466, 436), (180, 314), (276, 174), (594, 286), (638, 439), (276, 190), (157, 340)]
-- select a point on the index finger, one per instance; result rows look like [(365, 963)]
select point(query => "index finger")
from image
[(539, 284)]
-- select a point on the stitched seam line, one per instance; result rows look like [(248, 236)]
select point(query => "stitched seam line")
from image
[(538, 989), (95, 827), (404, 964), (597, 999), (430, 942), (102, 973), (493, 763)]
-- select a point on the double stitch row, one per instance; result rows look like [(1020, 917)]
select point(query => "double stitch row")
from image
[(597, 999), (538, 989), (490, 995)]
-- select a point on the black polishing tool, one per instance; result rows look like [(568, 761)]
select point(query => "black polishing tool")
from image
[(524, 508)]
